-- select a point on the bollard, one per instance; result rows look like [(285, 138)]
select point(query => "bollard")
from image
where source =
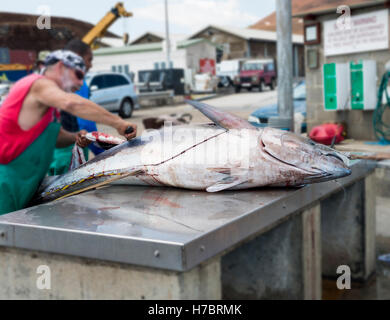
[(383, 277)]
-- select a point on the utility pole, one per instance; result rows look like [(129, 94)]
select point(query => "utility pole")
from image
[(167, 42), (285, 64)]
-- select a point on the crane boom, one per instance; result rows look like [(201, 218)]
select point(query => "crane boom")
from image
[(101, 27)]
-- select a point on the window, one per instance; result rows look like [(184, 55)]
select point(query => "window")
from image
[(162, 65), (119, 68), (110, 81), (156, 65), (127, 69), (113, 68), (99, 82), (121, 81), (113, 80)]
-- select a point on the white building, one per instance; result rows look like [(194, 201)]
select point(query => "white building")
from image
[(186, 55)]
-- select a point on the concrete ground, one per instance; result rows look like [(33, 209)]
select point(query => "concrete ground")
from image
[(241, 104)]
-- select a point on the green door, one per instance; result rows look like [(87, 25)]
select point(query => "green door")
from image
[(357, 88), (330, 86)]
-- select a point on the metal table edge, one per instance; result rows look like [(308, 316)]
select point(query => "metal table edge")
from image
[(83, 244), (196, 251)]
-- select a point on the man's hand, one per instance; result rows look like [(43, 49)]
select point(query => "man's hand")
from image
[(81, 140), (123, 127)]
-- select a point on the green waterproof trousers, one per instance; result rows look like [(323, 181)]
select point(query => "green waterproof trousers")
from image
[(20, 179)]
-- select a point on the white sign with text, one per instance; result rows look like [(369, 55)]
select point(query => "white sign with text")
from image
[(366, 32)]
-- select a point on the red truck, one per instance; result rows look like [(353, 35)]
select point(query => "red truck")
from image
[(256, 74)]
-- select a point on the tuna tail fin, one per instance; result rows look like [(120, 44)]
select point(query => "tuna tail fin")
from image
[(103, 183), (78, 157), (63, 191), (224, 119)]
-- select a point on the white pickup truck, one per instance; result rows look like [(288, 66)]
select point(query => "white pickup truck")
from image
[(227, 70)]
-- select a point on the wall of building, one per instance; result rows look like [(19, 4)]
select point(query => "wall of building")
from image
[(238, 48), (359, 123), (181, 58), (263, 49), (200, 51), (148, 38), (235, 47), (138, 61)]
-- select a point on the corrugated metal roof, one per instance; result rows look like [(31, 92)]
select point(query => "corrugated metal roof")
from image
[(301, 8), (248, 34), (155, 46), (158, 35), (20, 32), (269, 23), (327, 6), (112, 42), (161, 35)]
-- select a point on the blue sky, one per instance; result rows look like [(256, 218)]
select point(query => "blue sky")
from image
[(185, 16)]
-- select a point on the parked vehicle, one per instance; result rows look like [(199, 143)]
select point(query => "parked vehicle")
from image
[(4, 89), (260, 117), (161, 80), (227, 70), (256, 74), (113, 91)]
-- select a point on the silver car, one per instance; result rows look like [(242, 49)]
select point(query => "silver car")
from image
[(113, 91)]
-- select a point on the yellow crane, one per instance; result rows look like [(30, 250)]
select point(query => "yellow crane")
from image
[(101, 27)]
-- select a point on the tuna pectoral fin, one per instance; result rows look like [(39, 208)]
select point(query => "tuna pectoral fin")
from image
[(227, 183)]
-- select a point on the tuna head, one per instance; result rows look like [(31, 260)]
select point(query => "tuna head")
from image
[(320, 162)]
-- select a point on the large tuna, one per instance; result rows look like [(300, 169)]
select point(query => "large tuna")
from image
[(226, 155)]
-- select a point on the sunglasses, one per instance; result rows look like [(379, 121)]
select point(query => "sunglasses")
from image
[(79, 74)]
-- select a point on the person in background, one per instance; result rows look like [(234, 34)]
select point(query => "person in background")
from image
[(62, 156), (29, 132), (40, 63)]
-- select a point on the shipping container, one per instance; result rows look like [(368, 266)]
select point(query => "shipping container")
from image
[(26, 57), (13, 72), (4, 56)]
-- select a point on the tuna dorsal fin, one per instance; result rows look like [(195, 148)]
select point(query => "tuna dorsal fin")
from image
[(224, 119)]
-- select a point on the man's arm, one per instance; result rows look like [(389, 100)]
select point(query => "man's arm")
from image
[(66, 138), (49, 94)]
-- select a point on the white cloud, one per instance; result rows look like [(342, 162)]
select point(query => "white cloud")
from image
[(195, 14)]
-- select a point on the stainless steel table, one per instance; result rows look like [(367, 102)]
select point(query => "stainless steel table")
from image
[(162, 228)]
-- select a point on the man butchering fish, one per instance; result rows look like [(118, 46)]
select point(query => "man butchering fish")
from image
[(29, 132), (229, 154)]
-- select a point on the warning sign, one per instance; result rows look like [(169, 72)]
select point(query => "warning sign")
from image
[(365, 32)]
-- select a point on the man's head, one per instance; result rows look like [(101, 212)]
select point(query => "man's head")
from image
[(67, 68), (40, 63), (82, 49)]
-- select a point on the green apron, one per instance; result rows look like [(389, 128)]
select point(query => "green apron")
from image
[(61, 160), (20, 179)]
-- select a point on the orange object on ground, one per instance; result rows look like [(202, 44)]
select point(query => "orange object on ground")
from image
[(325, 133)]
